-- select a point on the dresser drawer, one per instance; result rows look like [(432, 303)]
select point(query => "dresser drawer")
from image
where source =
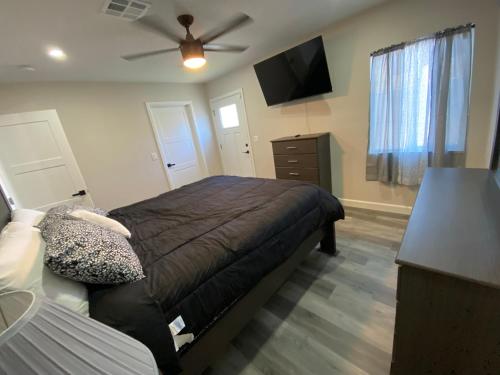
[(301, 174), (296, 161), (305, 146)]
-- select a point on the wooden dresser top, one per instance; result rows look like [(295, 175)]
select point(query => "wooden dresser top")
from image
[(301, 136), (454, 228)]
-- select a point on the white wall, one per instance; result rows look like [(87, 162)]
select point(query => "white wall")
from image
[(109, 131), (345, 112)]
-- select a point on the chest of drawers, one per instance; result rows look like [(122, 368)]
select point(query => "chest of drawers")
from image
[(304, 158), (448, 292)]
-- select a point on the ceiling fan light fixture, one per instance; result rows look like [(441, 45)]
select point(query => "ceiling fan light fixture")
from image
[(194, 62), (192, 50), (192, 54)]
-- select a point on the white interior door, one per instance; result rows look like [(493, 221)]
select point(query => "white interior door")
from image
[(177, 139), (37, 167), (232, 133)]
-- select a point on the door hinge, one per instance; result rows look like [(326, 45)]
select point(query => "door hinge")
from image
[(11, 201), (220, 146)]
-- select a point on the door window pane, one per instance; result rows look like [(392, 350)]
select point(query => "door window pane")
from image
[(229, 116)]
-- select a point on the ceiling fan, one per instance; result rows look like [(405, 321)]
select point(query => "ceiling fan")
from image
[(192, 50)]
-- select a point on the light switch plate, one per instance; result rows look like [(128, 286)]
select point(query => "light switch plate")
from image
[(154, 156)]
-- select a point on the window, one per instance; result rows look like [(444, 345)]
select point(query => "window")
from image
[(229, 116), (402, 97), (400, 100), (419, 101)]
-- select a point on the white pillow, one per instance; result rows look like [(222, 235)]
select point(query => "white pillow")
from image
[(27, 216), (21, 267), (66, 292), (102, 221), (21, 258)]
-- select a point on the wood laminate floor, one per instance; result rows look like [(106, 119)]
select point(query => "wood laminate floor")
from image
[(335, 315)]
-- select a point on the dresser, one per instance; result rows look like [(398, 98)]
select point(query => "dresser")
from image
[(304, 158), (448, 292)]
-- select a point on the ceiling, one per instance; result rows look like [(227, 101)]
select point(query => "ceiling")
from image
[(94, 41)]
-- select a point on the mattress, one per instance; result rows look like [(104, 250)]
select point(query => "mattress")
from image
[(203, 247)]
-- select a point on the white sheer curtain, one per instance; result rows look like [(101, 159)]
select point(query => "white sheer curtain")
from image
[(419, 106)]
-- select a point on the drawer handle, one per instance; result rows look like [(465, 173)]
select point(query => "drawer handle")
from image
[(294, 174), (291, 147), (293, 161)]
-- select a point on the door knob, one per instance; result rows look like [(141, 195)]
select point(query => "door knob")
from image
[(170, 165), (246, 152)]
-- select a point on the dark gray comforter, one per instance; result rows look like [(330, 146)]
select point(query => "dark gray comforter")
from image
[(203, 247)]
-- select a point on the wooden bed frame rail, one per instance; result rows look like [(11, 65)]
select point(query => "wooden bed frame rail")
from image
[(214, 343)]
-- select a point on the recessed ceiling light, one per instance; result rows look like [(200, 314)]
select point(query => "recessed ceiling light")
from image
[(57, 53)]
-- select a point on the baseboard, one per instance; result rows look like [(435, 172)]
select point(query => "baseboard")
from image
[(376, 206)]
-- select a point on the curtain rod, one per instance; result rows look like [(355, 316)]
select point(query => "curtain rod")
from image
[(439, 34)]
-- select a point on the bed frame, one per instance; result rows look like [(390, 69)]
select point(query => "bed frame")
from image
[(212, 345), (214, 342)]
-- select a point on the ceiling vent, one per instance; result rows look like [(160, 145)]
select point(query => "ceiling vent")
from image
[(126, 9)]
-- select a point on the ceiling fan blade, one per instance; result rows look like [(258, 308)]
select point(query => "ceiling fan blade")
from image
[(237, 22), (137, 56), (223, 48), (156, 25)]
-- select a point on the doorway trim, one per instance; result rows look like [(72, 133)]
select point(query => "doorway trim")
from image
[(245, 118), (188, 104), (5, 193)]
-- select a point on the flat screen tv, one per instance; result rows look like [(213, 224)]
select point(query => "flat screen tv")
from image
[(298, 73)]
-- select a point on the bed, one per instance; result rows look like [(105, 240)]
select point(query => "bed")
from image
[(213, 252)]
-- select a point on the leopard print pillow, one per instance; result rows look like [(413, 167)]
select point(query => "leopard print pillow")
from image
[(86, 252)]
